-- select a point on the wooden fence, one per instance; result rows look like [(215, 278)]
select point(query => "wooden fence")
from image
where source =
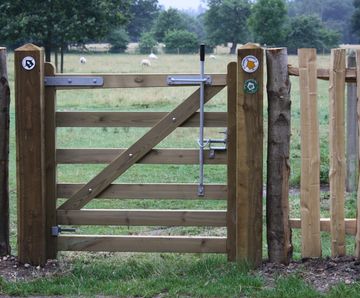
[(311, 223), (38, 157), (38, 191)]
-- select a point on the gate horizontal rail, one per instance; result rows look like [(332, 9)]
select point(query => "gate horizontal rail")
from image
[(132, 119), (153, 217), (155, 156), (180, 244), (150, 191), (133, 80)]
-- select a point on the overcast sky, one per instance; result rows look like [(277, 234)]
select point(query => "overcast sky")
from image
[(180, 4)]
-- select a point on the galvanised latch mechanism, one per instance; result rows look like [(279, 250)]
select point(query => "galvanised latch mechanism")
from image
[(57, 230)]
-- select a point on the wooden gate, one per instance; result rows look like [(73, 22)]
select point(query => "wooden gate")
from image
[(39, 211)]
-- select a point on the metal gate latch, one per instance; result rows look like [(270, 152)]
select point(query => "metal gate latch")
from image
[(218, 148), (56, 230)]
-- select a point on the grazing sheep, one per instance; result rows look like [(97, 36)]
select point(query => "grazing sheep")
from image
[(212, 57), (153, 56), (82, 60), (145, 62)]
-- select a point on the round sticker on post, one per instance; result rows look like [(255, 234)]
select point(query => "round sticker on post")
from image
[(28, 63), (251, 86), (250, 64)]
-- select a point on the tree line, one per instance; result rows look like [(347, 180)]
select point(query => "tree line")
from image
[(56, 24)]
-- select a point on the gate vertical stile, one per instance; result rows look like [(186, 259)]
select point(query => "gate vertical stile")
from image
[(231, 160), (50, 164)]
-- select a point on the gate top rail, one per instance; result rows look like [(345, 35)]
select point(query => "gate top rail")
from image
[(124, 80)]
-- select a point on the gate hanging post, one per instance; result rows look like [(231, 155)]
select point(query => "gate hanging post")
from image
[(29, 105), (249, 151)]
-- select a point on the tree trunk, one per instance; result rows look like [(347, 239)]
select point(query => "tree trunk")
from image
[(278, 166), (233, 48), (62, 59), (56, 52), (4, 155), (48, 53)]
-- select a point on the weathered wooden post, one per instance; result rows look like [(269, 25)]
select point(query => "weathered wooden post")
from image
[(310, 155), (249, 138), (29, 105), (337, 152), (278, 163), (4, 155), (351, 131)]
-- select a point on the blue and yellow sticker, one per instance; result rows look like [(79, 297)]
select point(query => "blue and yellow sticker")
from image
[(250, 64)]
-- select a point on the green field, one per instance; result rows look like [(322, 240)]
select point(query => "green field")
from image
[(166, 275)]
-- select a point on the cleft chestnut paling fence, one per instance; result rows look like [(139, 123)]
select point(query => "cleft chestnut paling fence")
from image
[(42, 216), (311, 223)]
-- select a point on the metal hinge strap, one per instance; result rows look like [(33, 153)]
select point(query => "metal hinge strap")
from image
[(64, 81)]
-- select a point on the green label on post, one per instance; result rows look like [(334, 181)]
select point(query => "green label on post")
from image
[(251, 86)]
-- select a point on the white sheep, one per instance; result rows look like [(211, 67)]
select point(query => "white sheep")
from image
[(82, 60), (153, 56), (212, 57), (145, 62)]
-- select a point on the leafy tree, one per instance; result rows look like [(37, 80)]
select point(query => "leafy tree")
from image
[(181, 41), (195, 24), (168, 20), (143, 14), (119, 40), (355, 20), (147, 43), (269, 14), (226, 21), (308, 32), (56, 23), (334, 14)]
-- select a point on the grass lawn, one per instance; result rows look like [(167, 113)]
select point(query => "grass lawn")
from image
[(164, 275)]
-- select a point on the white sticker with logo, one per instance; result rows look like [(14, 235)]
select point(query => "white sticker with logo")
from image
[(250, 64), (28, 63)]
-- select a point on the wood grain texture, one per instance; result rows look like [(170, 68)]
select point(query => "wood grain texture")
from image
[(350, 225), (29, 109), (324, 74), (138, 150), (4, 155), (50, 163), (337, 151), (231, 160), (352, 132), (150, 191), (249, 183), (137, 80), (132, 119), (155, 156), (310, 156), (357, 237), (278, 163), (178, 244), (211, 218)]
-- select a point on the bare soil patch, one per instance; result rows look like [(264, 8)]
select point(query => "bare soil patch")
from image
[(322, 274)]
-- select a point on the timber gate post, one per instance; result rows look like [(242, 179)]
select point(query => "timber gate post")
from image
[(29, 105), (249, 138)]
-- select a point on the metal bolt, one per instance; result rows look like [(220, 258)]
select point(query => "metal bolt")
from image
[(94, 81), (173, 119), (90, 189), (69, 81), (130, 155)]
